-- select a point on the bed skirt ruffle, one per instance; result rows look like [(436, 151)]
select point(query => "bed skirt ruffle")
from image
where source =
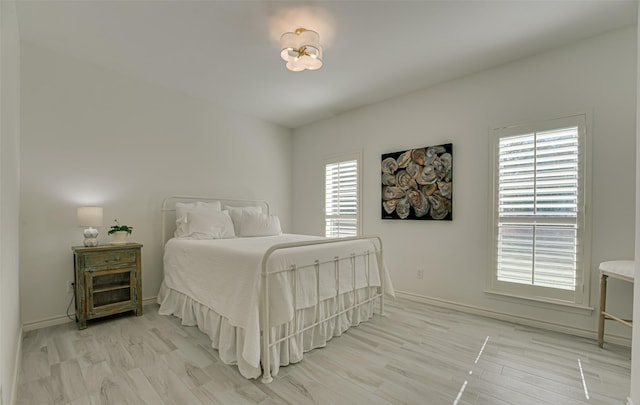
[(229, 339)]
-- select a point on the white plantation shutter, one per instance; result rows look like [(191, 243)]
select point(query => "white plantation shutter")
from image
[(539, 210), (341, 198)]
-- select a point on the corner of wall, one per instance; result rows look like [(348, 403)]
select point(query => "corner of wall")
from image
[(10, 318), (635, 349)]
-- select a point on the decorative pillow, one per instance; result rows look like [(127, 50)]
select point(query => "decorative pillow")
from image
[(209, 225), (183, 208), (259, 224), (236, 215)]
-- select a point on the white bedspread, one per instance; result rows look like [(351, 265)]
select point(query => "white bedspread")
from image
[(224, 275)]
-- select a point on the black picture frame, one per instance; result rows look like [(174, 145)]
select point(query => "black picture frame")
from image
[(417, 184)]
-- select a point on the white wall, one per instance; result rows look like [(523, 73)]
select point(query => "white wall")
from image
[(635, 349), (93, 136), (10, 323), (596, 76)]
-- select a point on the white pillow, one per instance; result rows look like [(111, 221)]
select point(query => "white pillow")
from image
[(259, 224), (236, 215), (183, 208), (209, 225)]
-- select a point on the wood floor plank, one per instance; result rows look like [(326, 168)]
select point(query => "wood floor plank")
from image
[(94, 375), (414, 354), (143, 387)]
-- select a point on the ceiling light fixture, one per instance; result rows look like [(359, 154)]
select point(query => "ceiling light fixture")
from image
[(301, 50)]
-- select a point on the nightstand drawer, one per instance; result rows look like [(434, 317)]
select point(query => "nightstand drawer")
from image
[(110, 258)]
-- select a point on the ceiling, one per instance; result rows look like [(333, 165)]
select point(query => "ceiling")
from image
[(227, 51)]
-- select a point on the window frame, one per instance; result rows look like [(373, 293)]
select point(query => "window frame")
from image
[(357, 156), (580, 297)]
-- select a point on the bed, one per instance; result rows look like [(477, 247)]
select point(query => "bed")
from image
[(263, 297)]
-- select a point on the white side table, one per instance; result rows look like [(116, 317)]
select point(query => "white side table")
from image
[(622, 270)]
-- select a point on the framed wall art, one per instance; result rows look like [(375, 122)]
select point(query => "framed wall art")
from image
[(418, 184)]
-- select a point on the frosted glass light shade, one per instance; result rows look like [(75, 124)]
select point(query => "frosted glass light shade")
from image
[(90, 216), (301, 50)]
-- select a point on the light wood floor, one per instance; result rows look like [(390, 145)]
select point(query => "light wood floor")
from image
[(416, 354)]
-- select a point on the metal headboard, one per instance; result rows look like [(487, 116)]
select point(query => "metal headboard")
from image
[(168, 210)]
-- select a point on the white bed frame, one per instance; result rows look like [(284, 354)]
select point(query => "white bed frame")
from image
[(168, 227)]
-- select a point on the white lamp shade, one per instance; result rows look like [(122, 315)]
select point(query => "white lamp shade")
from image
[(90, 216)]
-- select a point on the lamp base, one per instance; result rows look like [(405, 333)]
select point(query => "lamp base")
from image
[(91, 242), (91, 237)]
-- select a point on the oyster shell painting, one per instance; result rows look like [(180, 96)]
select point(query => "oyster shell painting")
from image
[(418, 183)]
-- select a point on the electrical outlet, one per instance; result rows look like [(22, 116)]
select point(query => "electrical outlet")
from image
[(420, 275), (69, 286)]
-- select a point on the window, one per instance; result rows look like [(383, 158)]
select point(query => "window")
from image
[(342, 196), (539, 230)]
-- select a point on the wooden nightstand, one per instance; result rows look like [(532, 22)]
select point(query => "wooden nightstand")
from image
[(108, 280)]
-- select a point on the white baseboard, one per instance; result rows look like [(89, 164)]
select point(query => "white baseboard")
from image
[(555, 327), (44, 323), (62, 319), (16, 370)]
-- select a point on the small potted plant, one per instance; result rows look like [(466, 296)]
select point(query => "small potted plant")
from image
[(119, 232)]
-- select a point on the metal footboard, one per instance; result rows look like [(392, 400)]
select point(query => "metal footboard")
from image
[(266, 342)]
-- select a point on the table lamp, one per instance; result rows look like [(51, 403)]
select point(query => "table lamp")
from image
[(90, 217)]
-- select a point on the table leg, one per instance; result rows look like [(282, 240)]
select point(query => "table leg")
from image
[(603, 302)]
